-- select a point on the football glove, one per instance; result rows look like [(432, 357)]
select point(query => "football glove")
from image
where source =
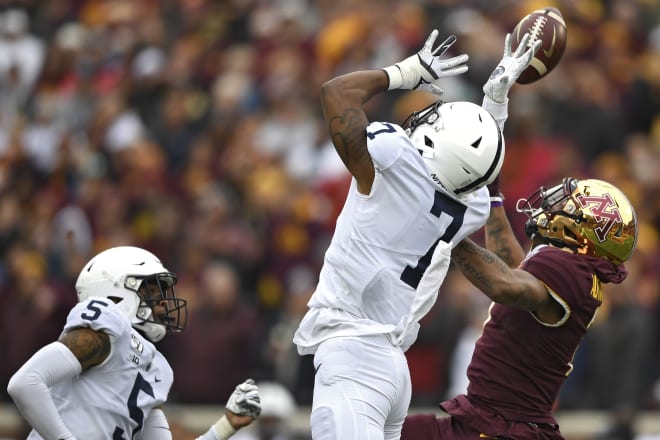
[(509, 69), (245, 400), (422, 70)]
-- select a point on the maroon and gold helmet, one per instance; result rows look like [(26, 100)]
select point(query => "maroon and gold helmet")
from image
[(590, 216)]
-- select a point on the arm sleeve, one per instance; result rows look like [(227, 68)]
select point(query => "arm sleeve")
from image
[(499, 111), (156, 426), (29, 387)]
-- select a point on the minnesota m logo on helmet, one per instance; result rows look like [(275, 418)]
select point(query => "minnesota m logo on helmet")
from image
[(605, 212)]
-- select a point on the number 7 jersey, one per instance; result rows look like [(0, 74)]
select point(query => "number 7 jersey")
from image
[(112, 400), (383, 245)]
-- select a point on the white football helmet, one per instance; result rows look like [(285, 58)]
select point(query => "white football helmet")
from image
[(460, 142), (138, 283)]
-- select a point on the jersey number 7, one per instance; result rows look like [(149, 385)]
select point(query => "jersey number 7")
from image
[(453, 208)]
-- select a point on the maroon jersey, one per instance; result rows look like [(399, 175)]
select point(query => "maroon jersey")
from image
[(519, 363)]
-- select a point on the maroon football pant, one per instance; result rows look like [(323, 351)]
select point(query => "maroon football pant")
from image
[(430, 427)]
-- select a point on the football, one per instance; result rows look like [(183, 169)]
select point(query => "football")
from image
[(547, 25)]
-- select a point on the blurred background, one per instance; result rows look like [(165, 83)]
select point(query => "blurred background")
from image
[(192, 128)]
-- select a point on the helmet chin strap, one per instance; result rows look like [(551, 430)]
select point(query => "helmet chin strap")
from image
[(153, 332), (532, 231)]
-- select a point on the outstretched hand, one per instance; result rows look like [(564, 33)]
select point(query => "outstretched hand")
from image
[(423, 70), (509, 68)]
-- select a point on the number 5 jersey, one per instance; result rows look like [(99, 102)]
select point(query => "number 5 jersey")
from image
[(112, 399)]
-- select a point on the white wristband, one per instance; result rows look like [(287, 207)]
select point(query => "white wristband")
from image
[(394, 74)]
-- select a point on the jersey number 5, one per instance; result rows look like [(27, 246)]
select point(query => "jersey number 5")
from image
[(92, 306), (133, 408), (442, 203)]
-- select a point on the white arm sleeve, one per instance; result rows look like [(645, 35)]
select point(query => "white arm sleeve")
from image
[(500, 111), (29, 388), (156, 427)]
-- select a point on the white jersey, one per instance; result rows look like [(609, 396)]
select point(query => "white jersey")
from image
[(112, 400), (383, 244)]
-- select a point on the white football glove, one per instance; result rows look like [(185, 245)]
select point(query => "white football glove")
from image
[(509, 69), (422, 70), (245, 400)]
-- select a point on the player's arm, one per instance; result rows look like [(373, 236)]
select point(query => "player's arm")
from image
[(90, 347), (503, 284), (29, 388), (243, 407), (76, 350), (343, 98), (500, 238)]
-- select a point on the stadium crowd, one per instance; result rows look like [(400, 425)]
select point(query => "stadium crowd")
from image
[(192, 128)]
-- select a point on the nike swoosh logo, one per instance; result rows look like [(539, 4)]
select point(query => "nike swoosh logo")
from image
[(158, 380), (548, 53), (316, 370)]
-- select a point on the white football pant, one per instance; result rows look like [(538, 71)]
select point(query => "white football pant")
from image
[(362, 389)]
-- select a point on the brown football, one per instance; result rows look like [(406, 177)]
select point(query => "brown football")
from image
[(547, 25)]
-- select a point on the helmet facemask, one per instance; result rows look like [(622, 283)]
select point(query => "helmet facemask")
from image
[(160, 311), (590, 217)]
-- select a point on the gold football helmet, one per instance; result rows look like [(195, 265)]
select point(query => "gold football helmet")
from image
[(590, 216)]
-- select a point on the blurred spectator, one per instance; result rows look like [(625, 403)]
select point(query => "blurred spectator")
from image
[(219, 344), (288, 367), (31, 303), (22, 52)]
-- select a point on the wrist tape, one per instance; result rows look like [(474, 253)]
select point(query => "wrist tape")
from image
[(223, 429)]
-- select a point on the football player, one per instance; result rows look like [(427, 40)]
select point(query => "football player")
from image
[(104, 378), (582, 232), (415, 191)]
